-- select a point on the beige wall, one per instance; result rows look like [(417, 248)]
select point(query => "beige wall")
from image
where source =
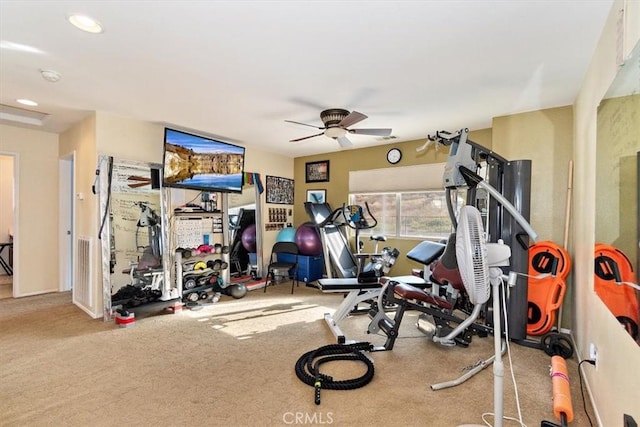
[(265, 164), (6, 200), (36, 245), (81, 141), (128, 139), (614, 382)]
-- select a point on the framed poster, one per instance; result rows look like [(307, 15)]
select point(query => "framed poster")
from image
[(317, 196), (317, 171), (279, 190)]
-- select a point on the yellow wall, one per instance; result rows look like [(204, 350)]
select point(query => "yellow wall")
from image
[(616, 172), (36, 246), (614, 382), (545, 137), (342, 162)]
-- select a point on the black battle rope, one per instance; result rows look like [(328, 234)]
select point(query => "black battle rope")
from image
[(308, 367)]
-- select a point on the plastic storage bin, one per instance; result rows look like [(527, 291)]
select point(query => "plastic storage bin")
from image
[(310, 268)]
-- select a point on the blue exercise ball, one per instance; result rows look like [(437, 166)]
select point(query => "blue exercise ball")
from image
[(287, 234), (308, 240), (249, 238)]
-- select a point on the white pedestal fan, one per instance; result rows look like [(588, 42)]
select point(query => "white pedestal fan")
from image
[(478, 263)]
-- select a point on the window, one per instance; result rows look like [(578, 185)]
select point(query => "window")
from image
[(410, 214)]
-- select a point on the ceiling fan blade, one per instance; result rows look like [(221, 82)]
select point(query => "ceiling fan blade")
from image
[(379, 132), (344, 142), (303, 124), (306, 137), (353, 118)]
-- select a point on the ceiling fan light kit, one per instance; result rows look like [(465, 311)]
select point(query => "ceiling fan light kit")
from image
[(336, 122)]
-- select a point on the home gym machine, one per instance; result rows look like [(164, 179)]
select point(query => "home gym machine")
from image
[(506, 222), (508, 183), (147, 273)]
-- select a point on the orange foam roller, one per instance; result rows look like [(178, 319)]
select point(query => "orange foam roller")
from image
[(561, 390)]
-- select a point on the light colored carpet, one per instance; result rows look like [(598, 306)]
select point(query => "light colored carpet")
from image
[(6, 286), (232, 364)]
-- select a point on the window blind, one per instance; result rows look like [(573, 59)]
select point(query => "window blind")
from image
[(397, 179)]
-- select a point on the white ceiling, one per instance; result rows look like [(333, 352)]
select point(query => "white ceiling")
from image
[(238, 69)]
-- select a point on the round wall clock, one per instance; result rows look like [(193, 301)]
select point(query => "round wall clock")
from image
[(394, 155)]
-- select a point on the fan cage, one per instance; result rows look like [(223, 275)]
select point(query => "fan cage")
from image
[(471, 252)]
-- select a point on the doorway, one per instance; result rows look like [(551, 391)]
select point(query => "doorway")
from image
[(66, 215), (8, 236)]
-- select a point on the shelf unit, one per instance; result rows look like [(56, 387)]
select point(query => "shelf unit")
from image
[(190, 230)]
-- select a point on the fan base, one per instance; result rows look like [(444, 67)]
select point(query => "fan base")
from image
[(333, 116)]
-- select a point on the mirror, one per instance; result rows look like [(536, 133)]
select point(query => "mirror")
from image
[(133, 236), (245, 230), (617, 195)]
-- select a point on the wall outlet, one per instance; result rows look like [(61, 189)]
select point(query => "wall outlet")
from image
[(593, 352)]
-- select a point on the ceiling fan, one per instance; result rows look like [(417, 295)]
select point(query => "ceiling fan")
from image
[(336, 123)]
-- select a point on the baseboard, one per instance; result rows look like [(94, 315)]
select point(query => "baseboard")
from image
[(31, 294)]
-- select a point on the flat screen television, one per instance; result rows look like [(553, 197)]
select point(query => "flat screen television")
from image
[(200, 163)]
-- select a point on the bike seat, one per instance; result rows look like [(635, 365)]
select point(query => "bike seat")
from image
[(378, 238)]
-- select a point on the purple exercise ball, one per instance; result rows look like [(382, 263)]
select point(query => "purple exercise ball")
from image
[(249, 238), (308, 240)]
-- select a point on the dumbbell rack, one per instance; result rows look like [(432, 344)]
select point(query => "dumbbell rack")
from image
[(192, 229), (208, 272)]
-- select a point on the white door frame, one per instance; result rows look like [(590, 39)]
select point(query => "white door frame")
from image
[(16, 214), (66, 231)]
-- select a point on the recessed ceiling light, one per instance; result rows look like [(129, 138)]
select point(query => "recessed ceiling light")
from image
[(85, 23), (28, 102)]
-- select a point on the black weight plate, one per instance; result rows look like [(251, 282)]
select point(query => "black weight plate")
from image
[(554, 344), (190, 283)]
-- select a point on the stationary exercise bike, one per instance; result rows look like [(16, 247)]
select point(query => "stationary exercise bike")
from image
[(380, 262)]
